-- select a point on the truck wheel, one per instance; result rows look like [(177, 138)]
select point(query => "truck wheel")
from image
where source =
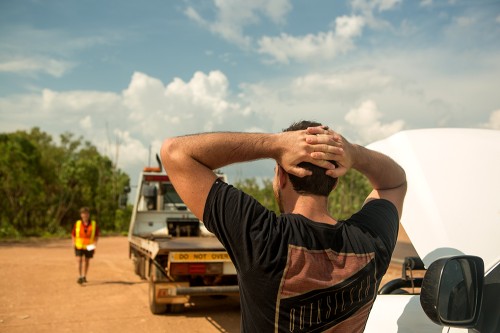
[(153, 305)]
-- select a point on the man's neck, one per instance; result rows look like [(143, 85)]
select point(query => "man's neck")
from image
[(313, 207)]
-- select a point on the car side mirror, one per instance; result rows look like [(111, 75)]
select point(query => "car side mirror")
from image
[(452, 291)]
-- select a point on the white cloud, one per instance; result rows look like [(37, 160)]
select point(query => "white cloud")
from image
[(232, 16), (86, 123), (464, 21), (123, 126), (367, 6), (74, 102), (328, 97), (144, 96), (426, 3), (148, 108), (53, 67), (348, 85), (382, 95), (494, 122), (130, 151), (366, 121), (348, 27), (28, 50), (497, 20), (324, 45), (201, 104)]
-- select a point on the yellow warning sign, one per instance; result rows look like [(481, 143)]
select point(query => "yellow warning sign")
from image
[(199, 257)]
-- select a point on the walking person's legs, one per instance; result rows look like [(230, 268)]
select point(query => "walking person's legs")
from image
[(86, 268), (79, 262)]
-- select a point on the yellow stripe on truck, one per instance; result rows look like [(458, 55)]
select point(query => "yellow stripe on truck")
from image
[(199, 257)]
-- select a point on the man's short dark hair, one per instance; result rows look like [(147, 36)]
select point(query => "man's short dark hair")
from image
[(85, 210), (318, 183)]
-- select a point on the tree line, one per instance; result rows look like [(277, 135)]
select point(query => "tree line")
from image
[(348, 197), (44, 184)]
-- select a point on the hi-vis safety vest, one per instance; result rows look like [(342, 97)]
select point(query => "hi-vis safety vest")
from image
[(83, 242)]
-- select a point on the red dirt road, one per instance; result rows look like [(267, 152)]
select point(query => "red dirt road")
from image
[(39, 293)]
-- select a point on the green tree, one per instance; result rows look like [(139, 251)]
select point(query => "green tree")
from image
[(263, 192), (22, 187), (44, 184), (352, 190), (347, 198)]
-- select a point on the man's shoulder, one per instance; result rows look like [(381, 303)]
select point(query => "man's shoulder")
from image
[(380, 205), (376, 214), (379, 202)]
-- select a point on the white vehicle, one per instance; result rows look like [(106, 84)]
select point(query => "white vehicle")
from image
[(172, 248), (452, 216)]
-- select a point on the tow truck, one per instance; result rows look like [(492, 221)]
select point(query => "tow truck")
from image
[(172, 249), (452, 217)]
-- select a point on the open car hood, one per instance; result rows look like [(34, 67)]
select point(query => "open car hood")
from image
[(452, 205)]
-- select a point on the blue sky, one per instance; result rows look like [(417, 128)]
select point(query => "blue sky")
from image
[(136, 72)]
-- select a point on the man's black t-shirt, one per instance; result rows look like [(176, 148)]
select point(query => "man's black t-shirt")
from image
[(298, 275)]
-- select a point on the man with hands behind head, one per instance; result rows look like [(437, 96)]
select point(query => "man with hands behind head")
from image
[(301, 271)]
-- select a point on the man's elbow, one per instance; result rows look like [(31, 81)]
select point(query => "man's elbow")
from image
[(168, 152)]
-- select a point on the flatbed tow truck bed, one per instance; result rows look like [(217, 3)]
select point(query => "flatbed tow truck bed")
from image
[(189, 244), (164, 245)]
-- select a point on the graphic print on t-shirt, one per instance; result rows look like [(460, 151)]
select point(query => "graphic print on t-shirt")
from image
[(322, 290)]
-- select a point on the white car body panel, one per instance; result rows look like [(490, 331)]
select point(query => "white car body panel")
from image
[(452, 207), (400, 313)]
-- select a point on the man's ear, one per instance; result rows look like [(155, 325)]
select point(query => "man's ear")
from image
[(282, 177), (336, 184)]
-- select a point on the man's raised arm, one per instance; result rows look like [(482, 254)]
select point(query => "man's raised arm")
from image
[(189, 160)]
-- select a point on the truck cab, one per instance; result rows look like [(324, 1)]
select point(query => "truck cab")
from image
[(452, 217), (172, 249)]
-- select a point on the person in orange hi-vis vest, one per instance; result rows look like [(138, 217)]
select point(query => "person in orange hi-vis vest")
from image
[(84, 235)]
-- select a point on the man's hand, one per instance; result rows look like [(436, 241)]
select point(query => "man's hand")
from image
[(328, 145), (305, 146), (387, 178)]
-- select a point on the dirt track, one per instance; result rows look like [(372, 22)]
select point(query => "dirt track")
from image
[(39, 293)]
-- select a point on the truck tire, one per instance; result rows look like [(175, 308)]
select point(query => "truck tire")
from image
[(153, 305)]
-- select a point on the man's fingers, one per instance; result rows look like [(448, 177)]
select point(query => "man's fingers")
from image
[(299, 172), (318, 130), (323, 163), (318, 151), (324, 131), (336, 173), (324, 139)]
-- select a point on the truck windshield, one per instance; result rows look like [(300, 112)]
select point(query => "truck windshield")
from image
[(170, 196)]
